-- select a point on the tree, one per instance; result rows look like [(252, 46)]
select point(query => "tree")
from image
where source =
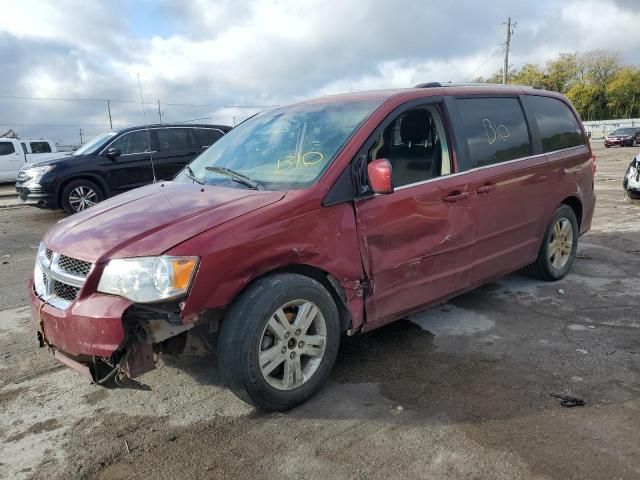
[(623, 93), (561, 72), (531, 75), (581, 95)]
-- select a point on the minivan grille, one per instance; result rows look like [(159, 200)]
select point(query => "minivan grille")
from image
[(59, 278), (64, 291), (74, 266)]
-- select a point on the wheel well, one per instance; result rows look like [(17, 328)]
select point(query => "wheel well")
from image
[(95, 180), (576, 205), (327, 281)]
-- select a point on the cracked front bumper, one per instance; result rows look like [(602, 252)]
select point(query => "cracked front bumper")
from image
[(91, 325)]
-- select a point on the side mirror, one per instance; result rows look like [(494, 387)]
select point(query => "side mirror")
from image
[(112, 153), (380, 176)]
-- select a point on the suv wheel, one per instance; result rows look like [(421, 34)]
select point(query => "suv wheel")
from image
[(80, 195), (279, 341), (559, 246)]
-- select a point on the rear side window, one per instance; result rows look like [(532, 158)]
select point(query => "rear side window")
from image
[(24, 147), (7, 148), (557, 124), (40, 147), (174, 139), (495, 130), (206, 136)]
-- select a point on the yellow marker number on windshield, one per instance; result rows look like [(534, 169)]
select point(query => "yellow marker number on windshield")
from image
[(305, 160)]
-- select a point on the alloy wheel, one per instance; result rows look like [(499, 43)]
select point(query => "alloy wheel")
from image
[(560, 243), (292, 344), (82, 197)]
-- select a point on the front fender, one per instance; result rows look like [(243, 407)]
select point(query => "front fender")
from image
[(243, 250)]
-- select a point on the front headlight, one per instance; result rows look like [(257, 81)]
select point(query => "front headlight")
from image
[(148, 279), (36, 173)]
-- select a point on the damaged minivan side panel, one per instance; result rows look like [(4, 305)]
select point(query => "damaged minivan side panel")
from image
[(291, 233)]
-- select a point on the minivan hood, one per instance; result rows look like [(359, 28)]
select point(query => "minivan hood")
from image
[(150, 220)]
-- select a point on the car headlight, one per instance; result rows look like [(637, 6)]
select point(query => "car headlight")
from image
[(36, 173), (148, 279)]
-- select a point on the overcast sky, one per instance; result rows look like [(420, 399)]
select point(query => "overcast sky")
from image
[(217, 53)]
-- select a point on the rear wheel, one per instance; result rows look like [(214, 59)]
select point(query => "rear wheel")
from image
[(559, 246), (279, 342), (79, 195)]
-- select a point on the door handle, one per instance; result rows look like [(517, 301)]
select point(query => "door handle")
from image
[(455, 196), (486, 188)]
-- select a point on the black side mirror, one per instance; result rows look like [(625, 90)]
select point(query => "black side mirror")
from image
[(112, 153)]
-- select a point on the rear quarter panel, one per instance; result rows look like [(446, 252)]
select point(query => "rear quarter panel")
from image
[(571, 176)]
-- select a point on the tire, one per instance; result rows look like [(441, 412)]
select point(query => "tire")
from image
[(257, 322), (551, 265), (79, 195)]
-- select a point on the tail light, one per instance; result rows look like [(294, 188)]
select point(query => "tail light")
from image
[(593, 165)]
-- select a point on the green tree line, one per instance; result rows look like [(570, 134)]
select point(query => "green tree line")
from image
[(597, 83)]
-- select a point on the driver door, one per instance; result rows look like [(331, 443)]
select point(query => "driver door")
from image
[(415, 242)]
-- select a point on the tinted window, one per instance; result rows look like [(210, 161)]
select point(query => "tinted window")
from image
[(174, 139), (495, 130), (557, 124), (206, 136), (6, 148), (40, 147), (134, 142)]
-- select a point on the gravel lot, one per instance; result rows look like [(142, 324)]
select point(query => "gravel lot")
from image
[(460, 391)]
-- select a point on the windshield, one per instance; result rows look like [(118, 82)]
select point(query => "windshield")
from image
[(625, 131), (282, 149), (94, 144)]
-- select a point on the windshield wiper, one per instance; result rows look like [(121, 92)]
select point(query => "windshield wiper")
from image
[(192, 176), (236, 176)]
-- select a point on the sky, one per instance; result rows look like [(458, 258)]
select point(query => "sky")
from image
[(223, 60)]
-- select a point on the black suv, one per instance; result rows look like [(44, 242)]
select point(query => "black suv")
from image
[(112, 163)]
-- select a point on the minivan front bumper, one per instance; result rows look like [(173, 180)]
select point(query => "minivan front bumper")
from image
[(34, 194), (78, 331)]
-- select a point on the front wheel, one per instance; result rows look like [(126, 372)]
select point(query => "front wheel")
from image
[(79, 195), (279, 341), (559, 246)]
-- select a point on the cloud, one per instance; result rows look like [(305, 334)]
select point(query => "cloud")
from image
[(266, 52)]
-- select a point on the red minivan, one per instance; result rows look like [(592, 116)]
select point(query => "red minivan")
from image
[(328, 217)]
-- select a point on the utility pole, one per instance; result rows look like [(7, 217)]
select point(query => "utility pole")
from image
[(80, 131), (507, 43), (109, 110), (159, 112)]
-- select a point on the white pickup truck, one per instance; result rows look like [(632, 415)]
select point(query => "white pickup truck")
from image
[(14, 153)]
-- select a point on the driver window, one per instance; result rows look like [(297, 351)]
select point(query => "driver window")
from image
[(134, 142), (416, 146)]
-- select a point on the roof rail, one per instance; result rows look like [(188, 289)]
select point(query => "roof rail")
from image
[(467, 84)]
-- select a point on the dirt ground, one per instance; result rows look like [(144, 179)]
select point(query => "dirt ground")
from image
[(460, 391)]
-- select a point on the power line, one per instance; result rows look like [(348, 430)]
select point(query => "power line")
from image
[(483, 63), (115, 100), (61, 124)]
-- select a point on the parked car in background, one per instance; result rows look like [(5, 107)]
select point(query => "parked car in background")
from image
[(331, 216), (14, 154), (623, 137), (112, 163)]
